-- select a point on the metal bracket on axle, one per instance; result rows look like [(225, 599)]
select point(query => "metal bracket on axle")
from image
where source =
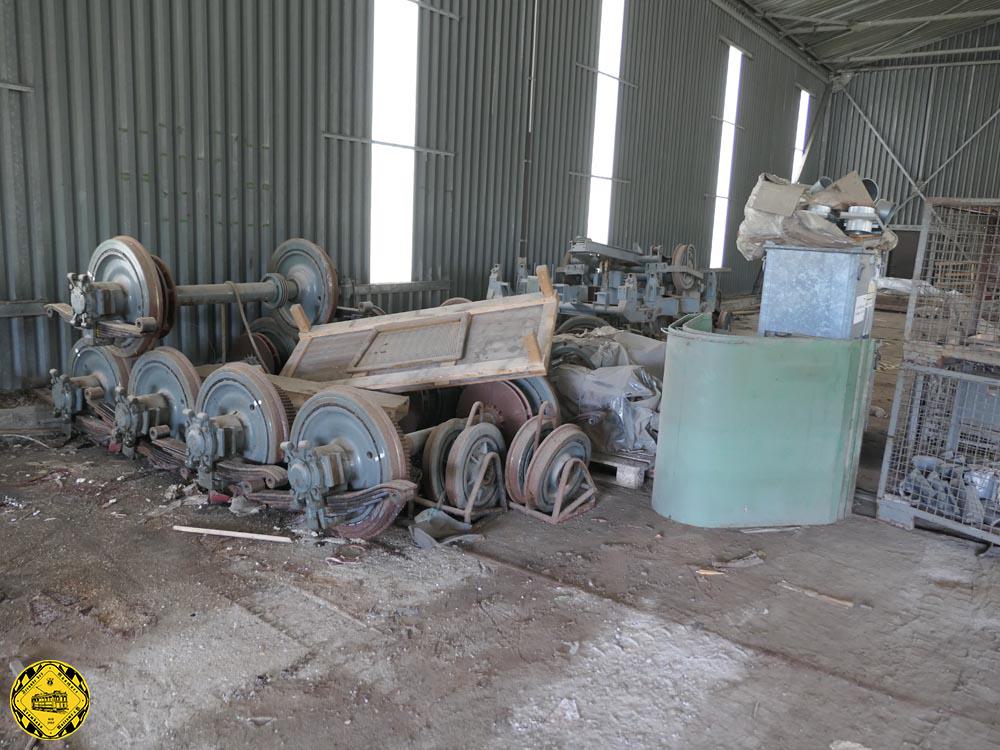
[(564, 507)]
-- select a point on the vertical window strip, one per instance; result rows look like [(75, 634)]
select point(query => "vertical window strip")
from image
[(394, 120), (605, 120), (727, 142), (799, 153)]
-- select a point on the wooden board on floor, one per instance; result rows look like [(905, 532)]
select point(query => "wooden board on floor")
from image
[(497, 339)]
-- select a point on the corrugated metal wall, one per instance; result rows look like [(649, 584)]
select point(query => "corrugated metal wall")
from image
[(203, 128), (562, 126), (924, 114), (194, 126), (669, 128), (472, 101)]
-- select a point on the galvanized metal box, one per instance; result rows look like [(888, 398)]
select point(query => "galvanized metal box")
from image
[(818, 291)]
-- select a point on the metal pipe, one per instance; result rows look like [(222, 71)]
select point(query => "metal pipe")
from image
[(927, 53), (832, 24), (926, 181), (266, 291), (884, 144), (418, 438)]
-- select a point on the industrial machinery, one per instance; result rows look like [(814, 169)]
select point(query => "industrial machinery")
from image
[(341, 457), (127, 298), (348, 465), (621, 286), (235, 432), (162, 388), (90, 382)]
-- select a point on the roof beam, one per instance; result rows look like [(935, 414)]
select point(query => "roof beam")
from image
[(758, 23), (814, 24), (896, 42), (914, 55)]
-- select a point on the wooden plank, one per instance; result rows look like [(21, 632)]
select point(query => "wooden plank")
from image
[(410, 343), (545, 281), (507, 338), (236, 534), (301, 319)]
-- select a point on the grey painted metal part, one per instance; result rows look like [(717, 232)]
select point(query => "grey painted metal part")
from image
[(127, 297), (308, 266), (162, 389), (239, 414), (94, 373), (340, 443), (121, 285), (621, 285), (539, 391), (822, 292)]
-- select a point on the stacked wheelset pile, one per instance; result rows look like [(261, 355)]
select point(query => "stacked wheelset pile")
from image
[(235, 430), (339, 457)]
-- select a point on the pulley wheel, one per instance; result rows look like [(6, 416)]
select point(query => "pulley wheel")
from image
[(242, 389), (544, 472), (434, 460), (243, 350), (684, 255), (124, 261), (102, 363), (538, 390), (308, 265), (522, 450), (502, 402), (465, 461), (167, 372)]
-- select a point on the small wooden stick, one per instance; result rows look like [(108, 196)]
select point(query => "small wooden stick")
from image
[(301, 321), (237, 534), (544, 281), (816, 595)]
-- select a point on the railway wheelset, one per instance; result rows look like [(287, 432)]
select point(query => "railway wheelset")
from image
[(338, 456)]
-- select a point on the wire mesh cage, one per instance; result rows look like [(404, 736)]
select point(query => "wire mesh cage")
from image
[(955, 303), (943, 449)]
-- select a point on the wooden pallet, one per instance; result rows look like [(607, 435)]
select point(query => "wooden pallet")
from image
[(628, 472)]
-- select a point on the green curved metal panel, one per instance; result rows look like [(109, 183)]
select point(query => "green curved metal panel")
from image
[(759, 431)]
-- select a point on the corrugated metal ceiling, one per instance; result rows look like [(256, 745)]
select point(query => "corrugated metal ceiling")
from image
[(847, 33)]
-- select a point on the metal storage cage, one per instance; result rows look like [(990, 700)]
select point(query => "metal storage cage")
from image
[(942, 458), (955, 306), (942, 455)]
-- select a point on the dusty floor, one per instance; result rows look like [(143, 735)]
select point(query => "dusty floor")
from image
[(599, 633)]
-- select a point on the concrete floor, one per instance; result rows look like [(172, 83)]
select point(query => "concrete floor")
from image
[(598, 633)]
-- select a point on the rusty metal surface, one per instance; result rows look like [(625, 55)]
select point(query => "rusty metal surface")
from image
[(503, 403)]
